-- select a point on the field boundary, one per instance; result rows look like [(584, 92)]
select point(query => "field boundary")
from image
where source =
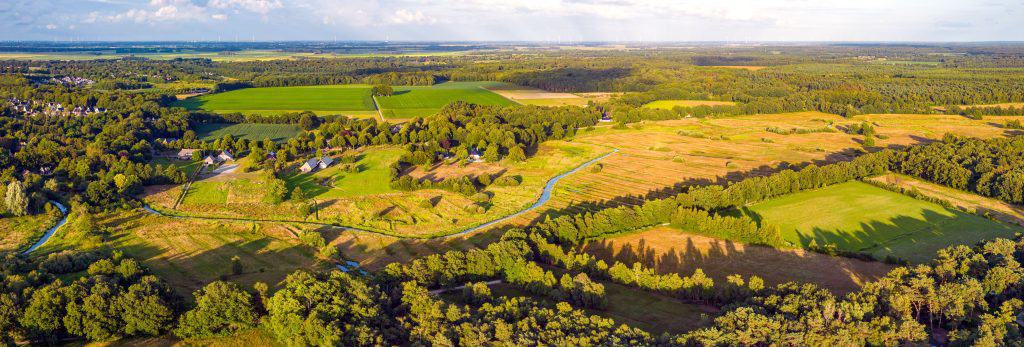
[(377, 107)]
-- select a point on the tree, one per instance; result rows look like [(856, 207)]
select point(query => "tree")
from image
[(222, 308), (491, 154), (516, 154), (382, 90), (16, 200), (308, 122), (236, 266)]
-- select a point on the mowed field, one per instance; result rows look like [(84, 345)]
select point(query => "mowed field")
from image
[(860, 217), (372, 177), (251, 131), (656, 158), (670, 104), (998, 209), (333, 99), (421, 101), (669, 250)]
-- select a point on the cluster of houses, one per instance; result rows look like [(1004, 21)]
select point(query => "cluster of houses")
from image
[(72, 81), (209, 159), (29, 107), (314, 164)]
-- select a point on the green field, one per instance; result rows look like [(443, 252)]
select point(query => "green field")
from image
[(251, 131), (322, 99), (373, 177), (856, 216), (410, 102)]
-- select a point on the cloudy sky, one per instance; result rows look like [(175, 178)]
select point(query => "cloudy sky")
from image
[(514, 20)]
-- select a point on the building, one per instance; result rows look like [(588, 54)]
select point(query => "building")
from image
[(225, 156), (186, 153), (605, 117), (211, 160), (475, 156), (314, 164)]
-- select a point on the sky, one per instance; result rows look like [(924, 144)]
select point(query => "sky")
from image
[(513, 20)]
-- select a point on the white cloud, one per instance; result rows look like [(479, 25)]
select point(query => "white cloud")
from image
[(219, 16), (257, 6), (404, 16), (51, 26)]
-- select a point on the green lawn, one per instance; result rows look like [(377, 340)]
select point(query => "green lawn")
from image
[(186, 166), (857, 216), (409, 102), (251, 131), (324, 99), (373, 177)]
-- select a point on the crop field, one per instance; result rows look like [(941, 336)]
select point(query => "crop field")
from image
[(655, 157), (251, 131), (669, 104), (20, 232), (859, 217), (669, 250), (323, 99), (417, 101)]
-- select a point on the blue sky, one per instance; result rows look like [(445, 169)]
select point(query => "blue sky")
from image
[(512, 20)]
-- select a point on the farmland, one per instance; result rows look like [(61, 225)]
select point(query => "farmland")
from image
[(669, 104), (416, 101), (336, 99), (251, 131), (859, 217)]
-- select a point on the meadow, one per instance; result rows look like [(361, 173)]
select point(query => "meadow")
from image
[(18, 233), (372, 177), (321, 99), (251, 131), (420, 101), (859, 217), (670, 104)]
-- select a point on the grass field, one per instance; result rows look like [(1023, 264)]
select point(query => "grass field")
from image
[(324, 99), (191, 253), (410, 102), (373, 177), (998, 209), (20, 232), (670, 104), (668, 250), (857, 216), (186, 166), (251, 131)]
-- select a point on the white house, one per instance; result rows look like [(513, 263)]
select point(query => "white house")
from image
[(314, 164), (211, 160), (225, 156), (475, 156), (325, 161), (186, 153)]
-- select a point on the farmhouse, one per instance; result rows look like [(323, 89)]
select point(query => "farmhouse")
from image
[(475, 156), (225, 156), (186, 153), (314, 164), (211, 160)]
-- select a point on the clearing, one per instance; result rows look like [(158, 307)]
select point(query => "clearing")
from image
[(669, 250), (252, 131), (421, 101), (670, 104), (860, 217), (998, 209), (335, 99)]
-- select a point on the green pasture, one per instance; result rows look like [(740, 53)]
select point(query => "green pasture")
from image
[(322, 99), (417, 101), (251, 131), (857, 216), (373, 177)]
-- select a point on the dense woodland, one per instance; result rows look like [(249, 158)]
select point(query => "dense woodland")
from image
[(970, 295)]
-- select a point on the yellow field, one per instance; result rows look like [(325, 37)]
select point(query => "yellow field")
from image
[(670, 104), (669, 250)]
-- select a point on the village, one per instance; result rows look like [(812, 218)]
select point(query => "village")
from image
[(32, 108)]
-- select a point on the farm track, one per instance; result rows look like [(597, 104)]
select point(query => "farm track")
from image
[(544, 198)]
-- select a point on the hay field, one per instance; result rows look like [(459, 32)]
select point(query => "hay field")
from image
[(421, 101), (537, 97), (670, 104), (657, 157), (860, 217), (669, 250), (324, 99), (252, 131)]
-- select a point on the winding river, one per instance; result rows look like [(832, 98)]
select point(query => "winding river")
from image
[(545, 196), (53, 230)]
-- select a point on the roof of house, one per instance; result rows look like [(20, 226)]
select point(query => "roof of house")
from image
[(310, 163), (186, 151), (326, 160)]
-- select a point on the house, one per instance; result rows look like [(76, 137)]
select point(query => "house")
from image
[(605, 117), (211, 160), (186, 153), (314, 164), (309, 165), (475, 156), (225, 156), (325, 161)]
